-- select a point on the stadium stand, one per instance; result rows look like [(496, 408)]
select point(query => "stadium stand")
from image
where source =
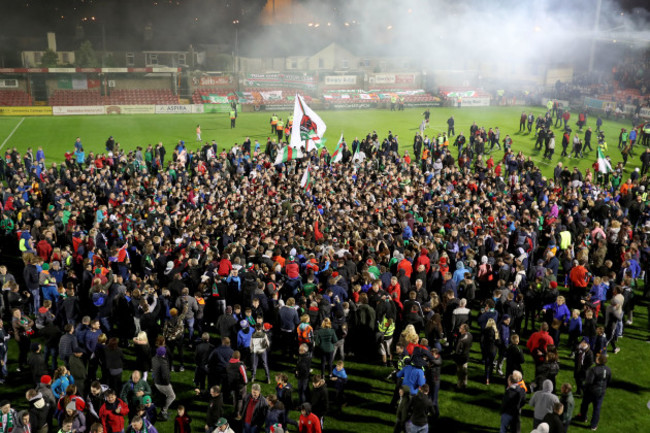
[(117, 97), (14, 98)]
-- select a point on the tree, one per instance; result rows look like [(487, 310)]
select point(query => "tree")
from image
[(50, 59), (85, 56)]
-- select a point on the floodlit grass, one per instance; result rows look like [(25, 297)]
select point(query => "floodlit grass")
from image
[(476, 409)]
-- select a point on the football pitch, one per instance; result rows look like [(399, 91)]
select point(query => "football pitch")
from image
[(57, 134), (474, 410)]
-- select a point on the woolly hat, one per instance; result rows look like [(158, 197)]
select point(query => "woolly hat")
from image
[(71, 406), (243, 324), (46, 266), (46, 379), (553, 284), (146, 399)]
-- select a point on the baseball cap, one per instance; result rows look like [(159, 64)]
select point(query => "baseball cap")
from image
[(222, 422)]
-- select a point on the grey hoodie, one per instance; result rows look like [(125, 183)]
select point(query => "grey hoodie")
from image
[(544, 400)]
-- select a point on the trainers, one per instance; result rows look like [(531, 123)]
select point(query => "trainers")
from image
[(594, 428), (618, 349), (181, 368), (629, 322)]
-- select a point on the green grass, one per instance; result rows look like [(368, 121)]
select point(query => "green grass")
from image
[(57, 134), (475, 410)]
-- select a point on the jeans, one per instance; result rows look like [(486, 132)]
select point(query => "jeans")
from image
[(461, 373), (412, 428), (509, 422), (303, 390), (36, 299), (264, 356), (190, 325), (168, 392), (584, 407), (54, 353), (250, 428)]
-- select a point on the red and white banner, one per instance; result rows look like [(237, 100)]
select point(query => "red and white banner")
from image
[(215, 81)]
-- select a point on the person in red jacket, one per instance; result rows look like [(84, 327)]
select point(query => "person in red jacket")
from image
[(308, 423), (406, 265), (225, 266), (423, 259), (538, 342), (292, 268), (44, 249), (112, 413)]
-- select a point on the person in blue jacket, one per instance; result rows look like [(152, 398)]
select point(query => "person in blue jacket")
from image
[(557, 310), (412, 377)]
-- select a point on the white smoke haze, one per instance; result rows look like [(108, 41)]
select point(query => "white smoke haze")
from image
[(464, 34)]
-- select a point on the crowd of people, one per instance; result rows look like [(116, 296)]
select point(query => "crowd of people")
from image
[(129, 259)]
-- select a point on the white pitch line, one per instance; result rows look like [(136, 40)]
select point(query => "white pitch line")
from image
[(12, 133)]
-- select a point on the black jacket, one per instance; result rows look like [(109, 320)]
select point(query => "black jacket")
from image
[(513, 400), (419, 408), (215, 410), (554, 422), (320, 402), (38, 417), (160, 370), (403, 408), (202, 354), (303, 366), (598, 379), (259, 414)]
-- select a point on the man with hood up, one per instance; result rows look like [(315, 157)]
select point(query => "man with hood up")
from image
[(39, 411), (543, 402), (459, 273)]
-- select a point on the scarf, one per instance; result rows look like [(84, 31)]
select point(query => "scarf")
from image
[(9, 425)]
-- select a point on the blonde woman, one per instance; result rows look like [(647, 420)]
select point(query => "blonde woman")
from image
[(325, 338), (142, 353), (489, 339)]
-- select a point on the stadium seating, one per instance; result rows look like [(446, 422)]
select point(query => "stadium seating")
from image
[(75, 97), (15, 98), (116, 97), (141, 97)]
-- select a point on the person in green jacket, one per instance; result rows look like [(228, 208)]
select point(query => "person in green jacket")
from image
[(134, 391), (324, 339)]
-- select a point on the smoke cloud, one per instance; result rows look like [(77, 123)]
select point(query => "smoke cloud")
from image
[(464, 34)]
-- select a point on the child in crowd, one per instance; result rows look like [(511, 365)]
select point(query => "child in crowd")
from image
[(182, 422), (589, 328), (575, 330), (600, 342), (340, 378)]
